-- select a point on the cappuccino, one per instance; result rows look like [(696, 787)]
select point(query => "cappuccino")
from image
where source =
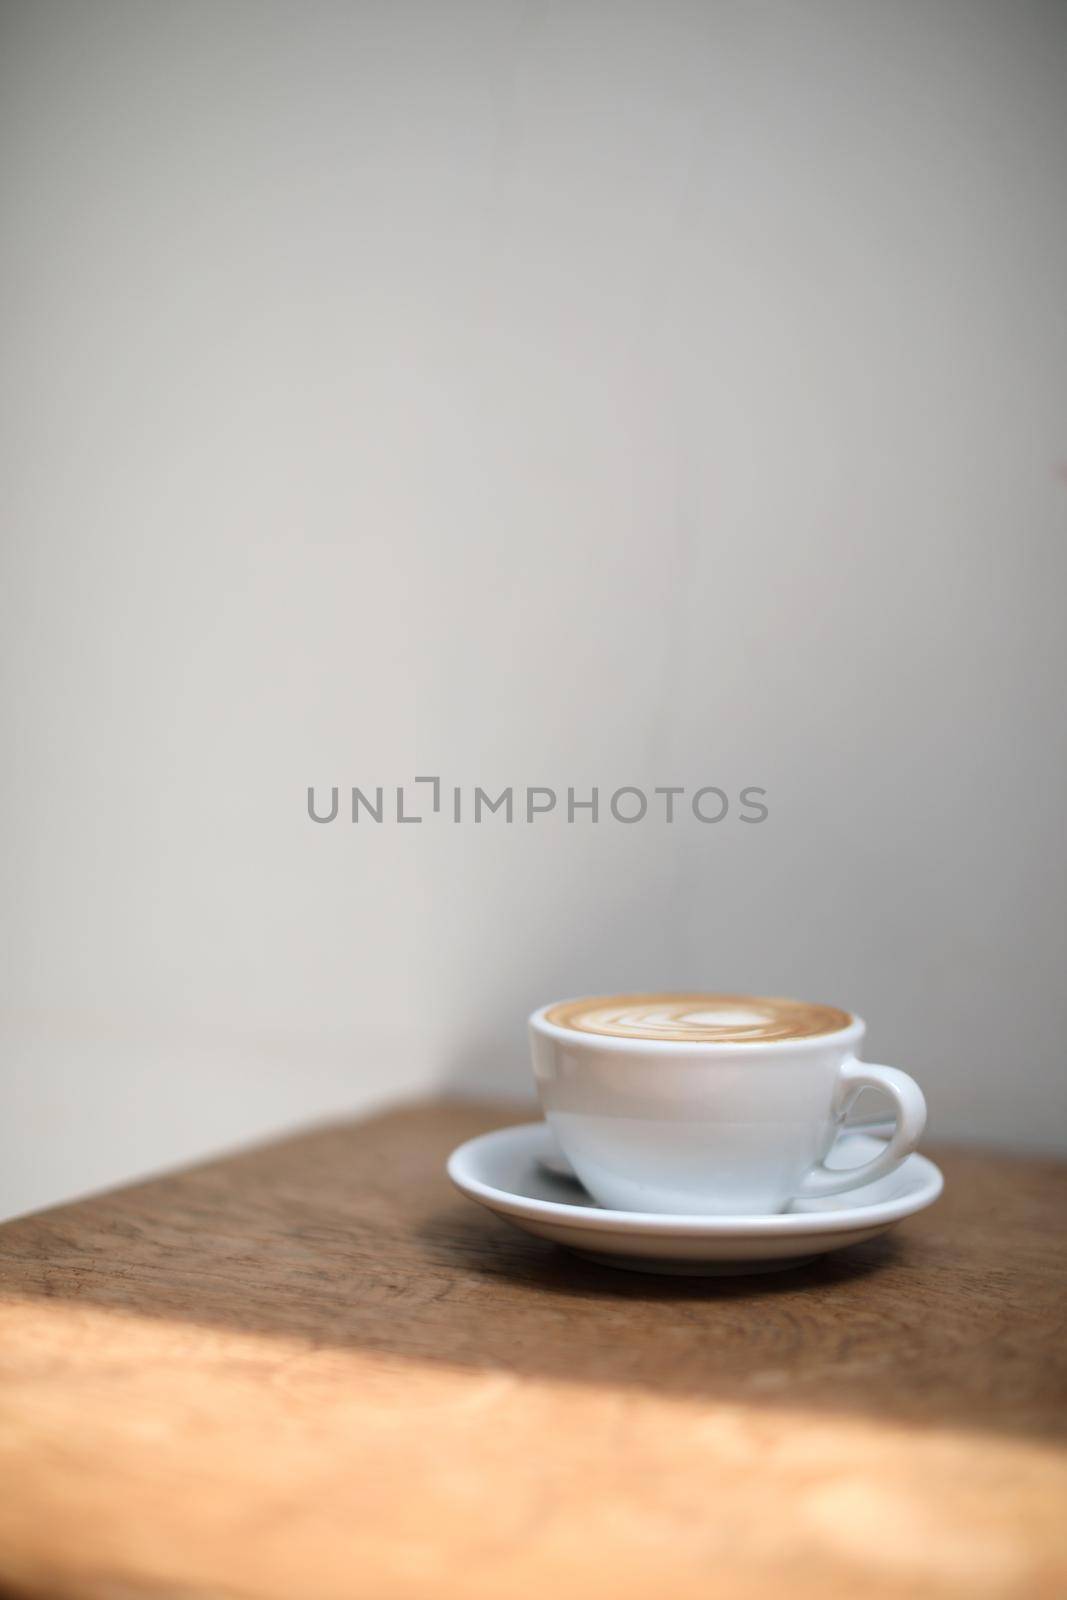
[(697, 1018), (710, 1104)]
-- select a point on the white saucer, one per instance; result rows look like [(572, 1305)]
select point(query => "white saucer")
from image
[(505, 1171)]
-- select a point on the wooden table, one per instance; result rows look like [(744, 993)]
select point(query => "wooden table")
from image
[(314, 1371)]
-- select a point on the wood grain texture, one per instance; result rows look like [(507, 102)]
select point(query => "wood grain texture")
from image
[(313, 1370)]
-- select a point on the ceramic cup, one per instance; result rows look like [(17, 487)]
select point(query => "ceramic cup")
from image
[(698, 1128)]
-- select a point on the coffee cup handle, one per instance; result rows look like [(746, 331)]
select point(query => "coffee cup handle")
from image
[(910, 1122)]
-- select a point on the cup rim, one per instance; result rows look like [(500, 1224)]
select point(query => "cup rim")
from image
[(538, 1022)]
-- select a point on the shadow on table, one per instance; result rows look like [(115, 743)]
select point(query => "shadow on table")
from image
[(461, 1240)]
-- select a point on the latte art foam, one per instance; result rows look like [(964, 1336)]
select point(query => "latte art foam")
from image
[(697, 1018)]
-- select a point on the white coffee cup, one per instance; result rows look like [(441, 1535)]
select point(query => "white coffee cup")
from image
[(700, 1126)]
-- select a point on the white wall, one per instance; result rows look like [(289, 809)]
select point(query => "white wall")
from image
[(529, 393)]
